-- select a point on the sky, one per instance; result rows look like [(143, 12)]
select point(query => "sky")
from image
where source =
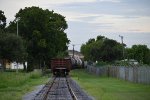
[(89, 18)]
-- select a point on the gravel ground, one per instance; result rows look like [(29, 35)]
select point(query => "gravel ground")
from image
[(31, 95), (76, 88)]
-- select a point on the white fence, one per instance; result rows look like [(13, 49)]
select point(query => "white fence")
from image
[(133, 74)]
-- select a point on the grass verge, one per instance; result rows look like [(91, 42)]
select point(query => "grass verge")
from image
[(14, 85), (104, 88)]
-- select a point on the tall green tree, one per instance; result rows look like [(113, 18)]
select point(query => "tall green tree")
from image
[(11, 48), (43, 31), (111, 50), (102, 49), (139, 52), (87, 48)]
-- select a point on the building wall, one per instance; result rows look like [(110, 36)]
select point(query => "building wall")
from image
[(13, 65)]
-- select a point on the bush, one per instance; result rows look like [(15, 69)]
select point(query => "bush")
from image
[(35, 74), (12, 79), (101, 63)]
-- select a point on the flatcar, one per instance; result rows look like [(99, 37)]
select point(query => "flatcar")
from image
[(61, 66)]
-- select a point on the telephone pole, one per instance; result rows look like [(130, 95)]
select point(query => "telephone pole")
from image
[(73, 50), (17, 36), (122, 46)]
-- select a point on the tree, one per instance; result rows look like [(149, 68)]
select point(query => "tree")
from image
[(139, 52), (43, 31), (11, 48), (2, 20), (111, 50), (147, 58), (102, 49), (100, 38)]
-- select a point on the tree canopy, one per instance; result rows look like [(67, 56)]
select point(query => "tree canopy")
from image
[(141, 53), (42, 31), (101, 49), (11, 48)]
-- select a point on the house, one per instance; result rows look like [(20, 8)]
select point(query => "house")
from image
[(133, 62), (76, 54), (13, 65)]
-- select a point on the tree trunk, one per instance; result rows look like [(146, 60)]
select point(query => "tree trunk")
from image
[(17, 67), (30, 66), (3, 64), (24, 66)]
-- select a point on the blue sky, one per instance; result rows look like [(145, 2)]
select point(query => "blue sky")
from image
[(89, 18)]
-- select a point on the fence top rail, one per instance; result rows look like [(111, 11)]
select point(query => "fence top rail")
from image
[(106, 66)]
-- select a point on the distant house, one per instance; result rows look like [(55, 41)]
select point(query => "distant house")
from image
[(133, 62), (76, 54), (13, 65)]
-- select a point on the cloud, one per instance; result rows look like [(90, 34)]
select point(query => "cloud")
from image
[(121, 23), (110, 22), (77, 16), (114, 1), (56, 2), (60, 2), (104, 19), (134, 30), (129, 17), (11, 7)]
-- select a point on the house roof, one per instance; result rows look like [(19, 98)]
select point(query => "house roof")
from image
[(77, 53)]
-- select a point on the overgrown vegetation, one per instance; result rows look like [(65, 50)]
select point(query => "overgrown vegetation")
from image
[(14, 85), (101, 63), (104, 88)]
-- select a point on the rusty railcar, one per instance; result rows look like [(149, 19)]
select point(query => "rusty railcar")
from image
[(60, 66)]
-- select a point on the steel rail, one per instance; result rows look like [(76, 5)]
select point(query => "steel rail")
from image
[(46, 94), (71, 91)]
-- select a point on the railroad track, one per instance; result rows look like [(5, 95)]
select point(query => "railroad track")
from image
[(61, 88)]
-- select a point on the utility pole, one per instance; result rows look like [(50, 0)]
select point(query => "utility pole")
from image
[(122, 46), (73, 50), (17, 36)]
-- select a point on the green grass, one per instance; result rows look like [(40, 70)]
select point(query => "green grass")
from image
[(14, 85), (104, 88)]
